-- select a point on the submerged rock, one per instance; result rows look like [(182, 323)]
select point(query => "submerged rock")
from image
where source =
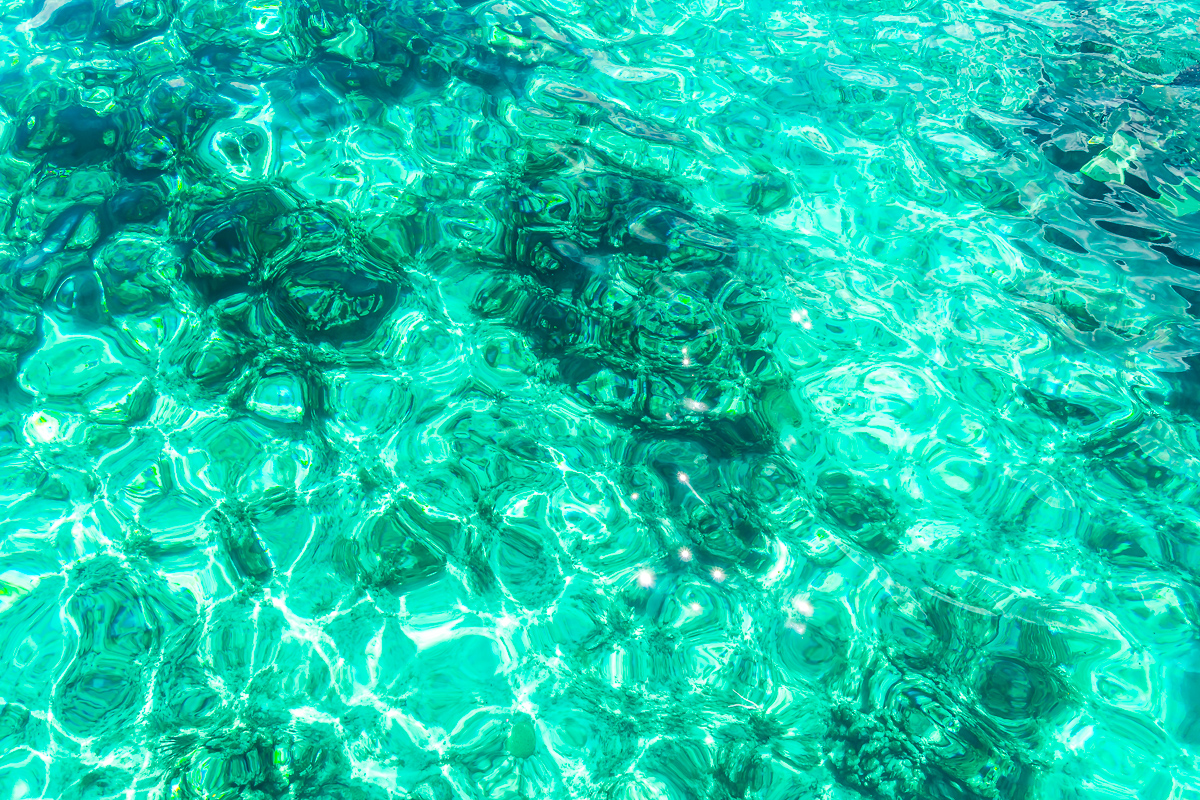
[(333, 301), (522, 739)]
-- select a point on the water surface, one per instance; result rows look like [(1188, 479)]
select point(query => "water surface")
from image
[(623, 400)]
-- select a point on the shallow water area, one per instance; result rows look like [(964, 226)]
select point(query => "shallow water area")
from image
[(628, 400)]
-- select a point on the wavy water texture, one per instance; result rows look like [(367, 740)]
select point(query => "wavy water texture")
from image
[(617, 400)]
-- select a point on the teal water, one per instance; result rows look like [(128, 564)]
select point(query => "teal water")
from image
[(628, 400)]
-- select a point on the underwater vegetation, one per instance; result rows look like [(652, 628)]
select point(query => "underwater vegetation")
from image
[(599, 400)]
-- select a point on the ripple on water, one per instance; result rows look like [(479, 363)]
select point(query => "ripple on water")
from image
[(598, 400)]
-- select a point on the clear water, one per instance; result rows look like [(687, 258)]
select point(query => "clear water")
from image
[(611, 399)]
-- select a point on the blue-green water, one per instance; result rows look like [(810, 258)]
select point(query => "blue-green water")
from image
[(629, 399)]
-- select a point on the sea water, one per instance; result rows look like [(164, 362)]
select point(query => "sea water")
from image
[(615, 399)]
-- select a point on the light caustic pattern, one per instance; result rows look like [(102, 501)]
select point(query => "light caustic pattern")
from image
[(599, 399)]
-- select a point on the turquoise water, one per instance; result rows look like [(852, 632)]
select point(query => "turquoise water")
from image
[(623, 400)]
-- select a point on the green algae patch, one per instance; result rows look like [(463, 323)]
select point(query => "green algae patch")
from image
[(522, 738)]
